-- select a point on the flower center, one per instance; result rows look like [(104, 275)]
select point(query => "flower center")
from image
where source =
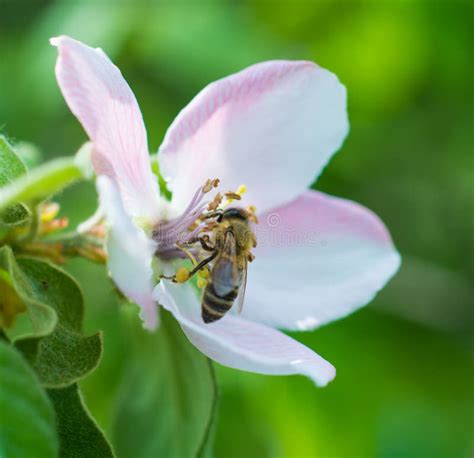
[(192, 233)]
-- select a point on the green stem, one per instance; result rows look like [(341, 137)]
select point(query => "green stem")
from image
[(41, 182), (34, 225)]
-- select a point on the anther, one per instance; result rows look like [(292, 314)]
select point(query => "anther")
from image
[(214, 205), (209, 226), (194, 225), (203, 273), (48, 211), (54, 225), (201, 282), (182, 275), (232, 196), (237, 195), (209, 185), (252, 210)]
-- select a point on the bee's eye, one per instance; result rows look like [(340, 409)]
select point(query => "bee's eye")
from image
[(238, 213)]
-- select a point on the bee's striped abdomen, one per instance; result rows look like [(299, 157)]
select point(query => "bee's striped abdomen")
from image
[(213, 306)]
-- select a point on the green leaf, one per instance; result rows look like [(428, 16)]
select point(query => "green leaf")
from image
[(27, 424), (155, 167), (169, 396), (29, 153), (65, 356), (54, 287), (15, 214), (11, 167), (79, 435), (54, 343), (42, 317), (41, 182), (10, 303)]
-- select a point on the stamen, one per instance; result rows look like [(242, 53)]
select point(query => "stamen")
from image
[(48, 211), (237, 195), (241, 190), (209, 185), (182, 275), (189, 209), (194, 225), (54, 225), (201, 282), (252, 211), (204, 273), (232, 196), (214, 205), (98, 231), (188, 253), (174, 228), (210, 226), (177, 238)]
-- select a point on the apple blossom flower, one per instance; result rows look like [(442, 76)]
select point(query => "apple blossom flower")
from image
[(272, 127)]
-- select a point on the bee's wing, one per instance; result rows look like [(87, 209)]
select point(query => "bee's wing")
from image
[(225, 274), (241, 296)]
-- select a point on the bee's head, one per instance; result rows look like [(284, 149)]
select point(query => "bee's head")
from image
[(234, 213)]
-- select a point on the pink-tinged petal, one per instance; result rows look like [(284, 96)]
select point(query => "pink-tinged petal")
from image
[(101, 99), (318, 259), (130, 253), (241, 344), (272, 127)]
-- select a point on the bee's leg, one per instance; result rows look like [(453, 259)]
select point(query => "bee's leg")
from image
[(183, 274), (250, 257), (203, 263), (204, 241), (215, 214), (189, 242)]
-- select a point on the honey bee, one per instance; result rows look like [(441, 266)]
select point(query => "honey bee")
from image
[(229, 243), (233, 239)]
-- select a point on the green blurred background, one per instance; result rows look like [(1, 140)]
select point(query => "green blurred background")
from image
[(405, 368)]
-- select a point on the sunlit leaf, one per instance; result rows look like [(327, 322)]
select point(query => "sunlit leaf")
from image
[(11, 167), (41, 182), (168, 395), (79, 435), (27, 425), (29, 153)]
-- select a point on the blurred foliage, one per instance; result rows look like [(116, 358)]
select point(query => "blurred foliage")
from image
[(21, 397), (405, 372)]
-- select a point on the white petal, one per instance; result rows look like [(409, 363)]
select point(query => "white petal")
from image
[(130, 253), (318, 259), (92, 221), (272, 127), (241, 344), (101, 99)]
